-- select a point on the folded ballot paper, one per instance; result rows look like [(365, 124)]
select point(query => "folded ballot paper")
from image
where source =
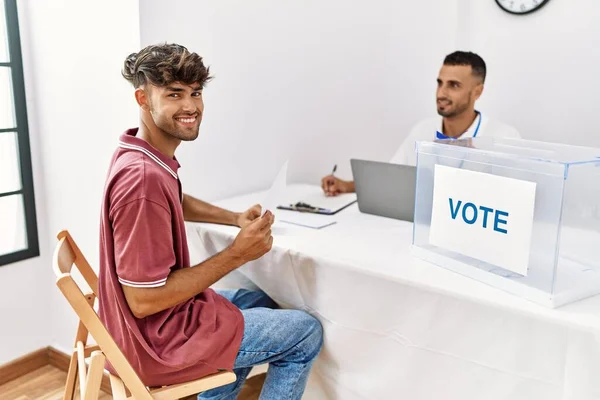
[(277, 191)]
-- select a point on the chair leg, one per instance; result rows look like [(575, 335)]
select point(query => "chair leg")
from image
[(69, 393), (72, 375), (94, 376), (81, 369), (118, 388)]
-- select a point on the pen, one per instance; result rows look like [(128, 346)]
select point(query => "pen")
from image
[(300, 206), (330, 181), (332, 174)]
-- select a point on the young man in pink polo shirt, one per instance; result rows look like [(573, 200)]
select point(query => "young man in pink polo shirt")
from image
[(162, 313)]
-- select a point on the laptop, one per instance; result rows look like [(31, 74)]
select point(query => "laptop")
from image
[(385, 189)]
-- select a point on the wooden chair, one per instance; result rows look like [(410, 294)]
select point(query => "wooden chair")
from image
[(66, 255)]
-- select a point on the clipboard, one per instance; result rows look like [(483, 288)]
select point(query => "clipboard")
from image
[(308, 208)]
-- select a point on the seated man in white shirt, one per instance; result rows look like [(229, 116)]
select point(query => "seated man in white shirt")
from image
[(459, 84)]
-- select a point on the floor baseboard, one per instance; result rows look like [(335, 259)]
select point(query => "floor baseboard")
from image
[(23, 365), (58, 359)]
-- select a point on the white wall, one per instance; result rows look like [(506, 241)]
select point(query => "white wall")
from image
[(82, 105), (314, 81), (24, 286), (320, 82), (543, 67)]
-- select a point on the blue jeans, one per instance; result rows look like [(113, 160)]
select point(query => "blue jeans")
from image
[(288, 340)]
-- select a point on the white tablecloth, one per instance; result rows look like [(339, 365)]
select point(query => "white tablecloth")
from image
[(399, 328)]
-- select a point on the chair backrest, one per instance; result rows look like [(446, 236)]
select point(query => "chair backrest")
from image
[(70, 255), (66, 255)]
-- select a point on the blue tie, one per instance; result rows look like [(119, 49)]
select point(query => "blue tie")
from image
[(442, 136)]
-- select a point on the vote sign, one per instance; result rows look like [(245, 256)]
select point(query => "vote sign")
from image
[(484, 216)]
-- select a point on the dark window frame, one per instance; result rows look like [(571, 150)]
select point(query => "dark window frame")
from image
[(22, 130)]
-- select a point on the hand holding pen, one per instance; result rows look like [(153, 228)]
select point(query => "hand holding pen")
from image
[(333, 186)]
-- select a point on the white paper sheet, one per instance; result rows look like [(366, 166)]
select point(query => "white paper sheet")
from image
[(277, 192), (306, 220)]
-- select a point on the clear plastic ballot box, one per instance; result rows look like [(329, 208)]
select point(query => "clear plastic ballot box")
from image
[(519, 215)]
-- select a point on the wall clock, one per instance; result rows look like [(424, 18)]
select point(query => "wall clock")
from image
[(521, 7)]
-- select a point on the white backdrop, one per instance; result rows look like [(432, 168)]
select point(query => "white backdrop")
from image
[(322, 81), (313, 81), (542, 67)]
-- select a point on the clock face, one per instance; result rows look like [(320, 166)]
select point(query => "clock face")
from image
[(521, 6)]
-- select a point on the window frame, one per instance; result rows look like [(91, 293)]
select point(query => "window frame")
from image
[(22, 131)]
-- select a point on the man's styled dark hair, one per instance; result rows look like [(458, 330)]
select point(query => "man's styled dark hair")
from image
[(468, 58), (163, 64)]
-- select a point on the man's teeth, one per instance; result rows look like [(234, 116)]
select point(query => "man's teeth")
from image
[(187, 120)]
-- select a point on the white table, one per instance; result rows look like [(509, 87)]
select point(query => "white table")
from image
[(397, 327)]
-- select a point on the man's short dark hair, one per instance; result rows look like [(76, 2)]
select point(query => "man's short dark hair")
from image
[(163, 64), (468, 58)]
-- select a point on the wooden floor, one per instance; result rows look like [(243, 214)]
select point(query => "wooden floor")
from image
[(47, 383)]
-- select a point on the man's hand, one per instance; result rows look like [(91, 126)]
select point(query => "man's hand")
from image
[(254, 240), (333, 186), (249, 215)]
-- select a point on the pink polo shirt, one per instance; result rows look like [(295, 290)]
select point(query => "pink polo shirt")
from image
[(142, 240)]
